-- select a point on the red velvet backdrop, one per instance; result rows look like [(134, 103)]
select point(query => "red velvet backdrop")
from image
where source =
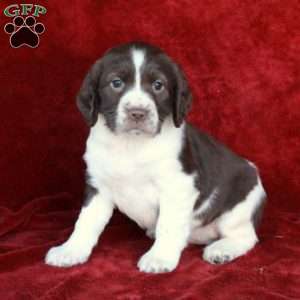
[(242, 59)]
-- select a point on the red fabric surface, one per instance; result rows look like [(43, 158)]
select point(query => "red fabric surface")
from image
[(242, 59)]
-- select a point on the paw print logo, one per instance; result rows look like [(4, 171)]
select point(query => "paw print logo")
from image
[(24, 31)]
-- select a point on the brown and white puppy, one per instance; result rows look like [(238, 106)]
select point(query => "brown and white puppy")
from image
[(173, 180)]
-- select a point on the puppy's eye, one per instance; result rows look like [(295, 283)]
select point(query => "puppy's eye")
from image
[(117, 84), (157, 86)]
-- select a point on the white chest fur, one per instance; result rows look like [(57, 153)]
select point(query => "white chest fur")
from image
[(129, 169)]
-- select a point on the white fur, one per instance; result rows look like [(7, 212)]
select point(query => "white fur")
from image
[(206, 203), (138, 58), (89, 226), (203, 235), (236, 229)]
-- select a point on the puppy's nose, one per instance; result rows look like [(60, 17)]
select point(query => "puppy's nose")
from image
[(137, 114)]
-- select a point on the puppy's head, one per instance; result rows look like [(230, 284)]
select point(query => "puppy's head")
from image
[(135, 87)]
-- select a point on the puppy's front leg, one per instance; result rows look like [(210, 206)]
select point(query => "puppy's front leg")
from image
[(90, 224), (171, 235)]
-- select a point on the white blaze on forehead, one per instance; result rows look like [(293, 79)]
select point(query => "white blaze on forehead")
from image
[(137, 97), (138, 58)]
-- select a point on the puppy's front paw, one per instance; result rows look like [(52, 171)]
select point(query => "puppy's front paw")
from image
[(66, 255), (151, 262)]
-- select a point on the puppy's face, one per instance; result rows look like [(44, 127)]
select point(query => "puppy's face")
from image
[(135, 87)]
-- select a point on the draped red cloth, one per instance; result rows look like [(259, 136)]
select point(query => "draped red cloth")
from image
[(242, 59)]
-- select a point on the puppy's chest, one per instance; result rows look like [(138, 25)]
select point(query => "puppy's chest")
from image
[(137, 197), (130, 182)]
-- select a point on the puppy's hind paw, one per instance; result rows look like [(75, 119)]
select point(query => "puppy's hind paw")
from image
[(226, 250)]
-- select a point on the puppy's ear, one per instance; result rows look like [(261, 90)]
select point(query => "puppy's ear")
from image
[(182, 98), (88, 99)]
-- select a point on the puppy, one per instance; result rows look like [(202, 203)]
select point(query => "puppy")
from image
[(173, 180)]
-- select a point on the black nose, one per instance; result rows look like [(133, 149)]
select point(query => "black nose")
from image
[(137, 114)]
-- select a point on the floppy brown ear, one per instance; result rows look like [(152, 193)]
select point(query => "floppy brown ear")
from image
[(88, 99), (183, 97)]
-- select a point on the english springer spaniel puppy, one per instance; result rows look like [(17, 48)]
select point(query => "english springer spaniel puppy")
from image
[(173, 180)]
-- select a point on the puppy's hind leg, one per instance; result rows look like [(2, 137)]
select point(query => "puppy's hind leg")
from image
[(90, 224), (236, 228)]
